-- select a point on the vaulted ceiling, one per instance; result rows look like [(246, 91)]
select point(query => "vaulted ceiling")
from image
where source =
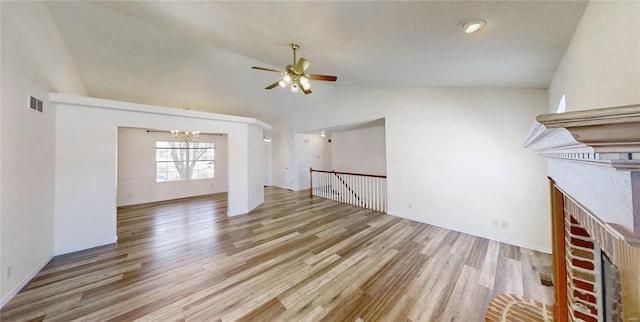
[(198, 54)]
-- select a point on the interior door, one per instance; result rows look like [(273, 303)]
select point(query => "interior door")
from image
[(288, 169), (266, 164)]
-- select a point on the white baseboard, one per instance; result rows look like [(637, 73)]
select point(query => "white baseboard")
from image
[(77, 249), (478, 234), (7, 297)]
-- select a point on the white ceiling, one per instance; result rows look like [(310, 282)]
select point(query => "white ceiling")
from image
[(148, 51)]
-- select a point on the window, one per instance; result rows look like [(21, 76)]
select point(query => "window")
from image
[(184, 160), (562, 105)]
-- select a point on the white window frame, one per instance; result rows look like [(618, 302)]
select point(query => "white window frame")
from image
[(188, 165)]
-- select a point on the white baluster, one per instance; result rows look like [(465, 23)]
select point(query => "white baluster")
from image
[(346, 191), (380, 194), (362, 190), (324, 185), (370, 196), (374, 193), (374, 196), (385, 194), (329, 184), (339, 184), (354, 187), (349, 185), (378, 199), (367, 191)]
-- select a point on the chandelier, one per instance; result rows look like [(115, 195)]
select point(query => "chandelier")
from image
[(186, 136)]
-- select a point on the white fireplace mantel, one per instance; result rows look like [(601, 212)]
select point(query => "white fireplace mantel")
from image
[(594, 166), (578, 144), (608, 136)]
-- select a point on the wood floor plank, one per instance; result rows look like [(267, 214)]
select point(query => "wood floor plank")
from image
[(436, 293), (488, 275), (291, 259), (477, 254), (463, 295), (512, 281)]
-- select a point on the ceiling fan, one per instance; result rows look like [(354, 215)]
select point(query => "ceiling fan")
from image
[(295, 75)]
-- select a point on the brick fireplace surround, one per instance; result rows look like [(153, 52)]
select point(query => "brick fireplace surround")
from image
[(594, 168), (584, 266)]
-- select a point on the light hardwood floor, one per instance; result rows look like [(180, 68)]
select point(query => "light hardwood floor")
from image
[(291, 259)]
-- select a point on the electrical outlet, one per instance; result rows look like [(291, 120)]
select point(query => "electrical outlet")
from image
[(410, 206), (504, 224), (8, 271), (496, 222)]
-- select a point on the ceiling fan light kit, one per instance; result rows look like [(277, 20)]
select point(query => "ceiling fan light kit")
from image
[(295, 75)]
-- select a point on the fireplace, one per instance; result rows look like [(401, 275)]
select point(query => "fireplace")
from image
[(594, 168), (600, 275), (612, 299), (593, 280)]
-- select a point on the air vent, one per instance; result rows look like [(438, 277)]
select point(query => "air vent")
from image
[(35, 104)]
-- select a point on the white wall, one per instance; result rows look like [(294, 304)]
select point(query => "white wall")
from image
[(137, 169), (311, 151), (256, 165), (34, 61), (359, 151), (601, 67), (455, 155), (86, 178)]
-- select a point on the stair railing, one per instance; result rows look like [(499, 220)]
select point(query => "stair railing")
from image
[(358, 189)]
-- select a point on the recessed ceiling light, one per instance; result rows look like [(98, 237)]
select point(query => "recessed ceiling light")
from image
[(472, 25)]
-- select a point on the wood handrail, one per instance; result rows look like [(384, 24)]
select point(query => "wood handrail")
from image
[(350, 173)]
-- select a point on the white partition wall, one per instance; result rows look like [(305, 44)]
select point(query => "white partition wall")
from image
[(256, 163), (86, 161)]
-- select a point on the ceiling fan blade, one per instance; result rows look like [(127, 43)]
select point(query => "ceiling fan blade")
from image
[(267, 69), (272, 85), (306, 92), (302, 65), (322, 77)]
